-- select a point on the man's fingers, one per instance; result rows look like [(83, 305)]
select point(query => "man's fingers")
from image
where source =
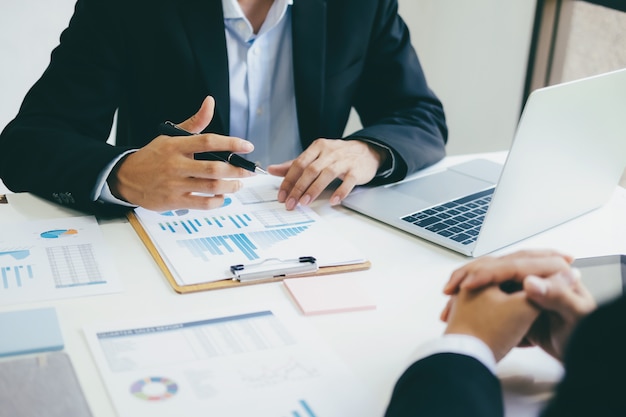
[(202, 118), (347, 185), (487, 270), (209, 142), (298, 177), (515, 269), (279, 170), (211, 186), (445, 313), (314, 180), (562, 293), (307, 176)]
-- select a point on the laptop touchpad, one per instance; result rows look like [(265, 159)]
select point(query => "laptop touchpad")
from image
[(441, 186)]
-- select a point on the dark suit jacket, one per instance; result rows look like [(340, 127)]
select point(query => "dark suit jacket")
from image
[(157, 60), (456, 385)]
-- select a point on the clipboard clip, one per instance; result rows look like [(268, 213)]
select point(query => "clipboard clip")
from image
[(274, 267)]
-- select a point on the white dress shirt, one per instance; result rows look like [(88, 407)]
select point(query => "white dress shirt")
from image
[(262, 94)]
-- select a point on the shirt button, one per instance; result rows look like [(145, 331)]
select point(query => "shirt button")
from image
[(259, 111)]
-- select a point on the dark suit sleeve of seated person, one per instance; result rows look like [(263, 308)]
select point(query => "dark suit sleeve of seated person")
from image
[(392, 98), (157, 61), (447, 384), (56, 146), (595, 366)]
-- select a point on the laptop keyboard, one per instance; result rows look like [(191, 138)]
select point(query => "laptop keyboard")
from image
[(459, 220)]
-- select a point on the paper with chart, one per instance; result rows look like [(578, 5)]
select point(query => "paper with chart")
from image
[(244, 364), (251, 227), (55, 258)]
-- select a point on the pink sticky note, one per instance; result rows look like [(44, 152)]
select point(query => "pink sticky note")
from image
[(328, 294)]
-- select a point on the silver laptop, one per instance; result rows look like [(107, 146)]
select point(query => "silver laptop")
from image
[(567, 156)]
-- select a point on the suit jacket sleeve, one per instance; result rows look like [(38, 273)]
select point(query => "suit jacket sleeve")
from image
[(56, 147), (396, 105), (447, 384)]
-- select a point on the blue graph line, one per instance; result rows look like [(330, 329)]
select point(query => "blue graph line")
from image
[(307, 409), (232, 219), (18, 280), (4, 277)]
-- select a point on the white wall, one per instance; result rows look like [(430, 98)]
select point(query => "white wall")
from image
[(474, 54), (29, 29)]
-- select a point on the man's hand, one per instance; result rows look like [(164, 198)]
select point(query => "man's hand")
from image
[(564, 301), (163, 175), (352, 161), (546, 281), (499, 319), (514, 267)]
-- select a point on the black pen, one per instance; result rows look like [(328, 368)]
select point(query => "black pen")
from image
[(171, 129)]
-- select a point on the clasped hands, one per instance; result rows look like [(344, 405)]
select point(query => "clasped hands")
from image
[(163, 175), (548, 304)]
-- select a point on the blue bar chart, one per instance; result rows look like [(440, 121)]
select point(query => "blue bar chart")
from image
[(14, 272), (195, 225), (266, 218), (12, 277), (245, 244)]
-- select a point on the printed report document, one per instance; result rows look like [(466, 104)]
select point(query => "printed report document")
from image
[(251, 228), (253, 363)]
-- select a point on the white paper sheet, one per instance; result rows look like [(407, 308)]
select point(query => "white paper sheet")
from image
[(251, 364), (56, 258), (201, 246)]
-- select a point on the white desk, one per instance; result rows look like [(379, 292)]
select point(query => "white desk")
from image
[(405, 279)]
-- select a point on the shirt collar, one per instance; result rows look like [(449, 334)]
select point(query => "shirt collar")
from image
[(232, 10), (234, 14)]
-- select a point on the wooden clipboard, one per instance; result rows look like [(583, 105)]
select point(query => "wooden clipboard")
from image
[(226, 283)]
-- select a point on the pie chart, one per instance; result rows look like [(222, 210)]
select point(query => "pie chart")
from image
[(56, 234)]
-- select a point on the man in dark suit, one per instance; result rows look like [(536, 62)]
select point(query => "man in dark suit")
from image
[(160, 60), (551, 311)]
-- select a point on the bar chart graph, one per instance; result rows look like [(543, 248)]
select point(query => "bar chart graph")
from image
[(242, 243), (15, 268), (194, 225), (12, 276), (267, 218)]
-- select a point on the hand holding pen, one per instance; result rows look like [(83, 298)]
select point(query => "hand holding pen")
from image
[(170, 129), (164, 175)]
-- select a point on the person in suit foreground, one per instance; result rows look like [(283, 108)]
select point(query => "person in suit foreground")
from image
[(274, 79), (486, 319)]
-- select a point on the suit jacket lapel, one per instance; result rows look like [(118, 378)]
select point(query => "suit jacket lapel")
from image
[(204, 23), (309, 52)]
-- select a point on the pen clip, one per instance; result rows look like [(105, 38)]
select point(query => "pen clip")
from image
[(274, 267)]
